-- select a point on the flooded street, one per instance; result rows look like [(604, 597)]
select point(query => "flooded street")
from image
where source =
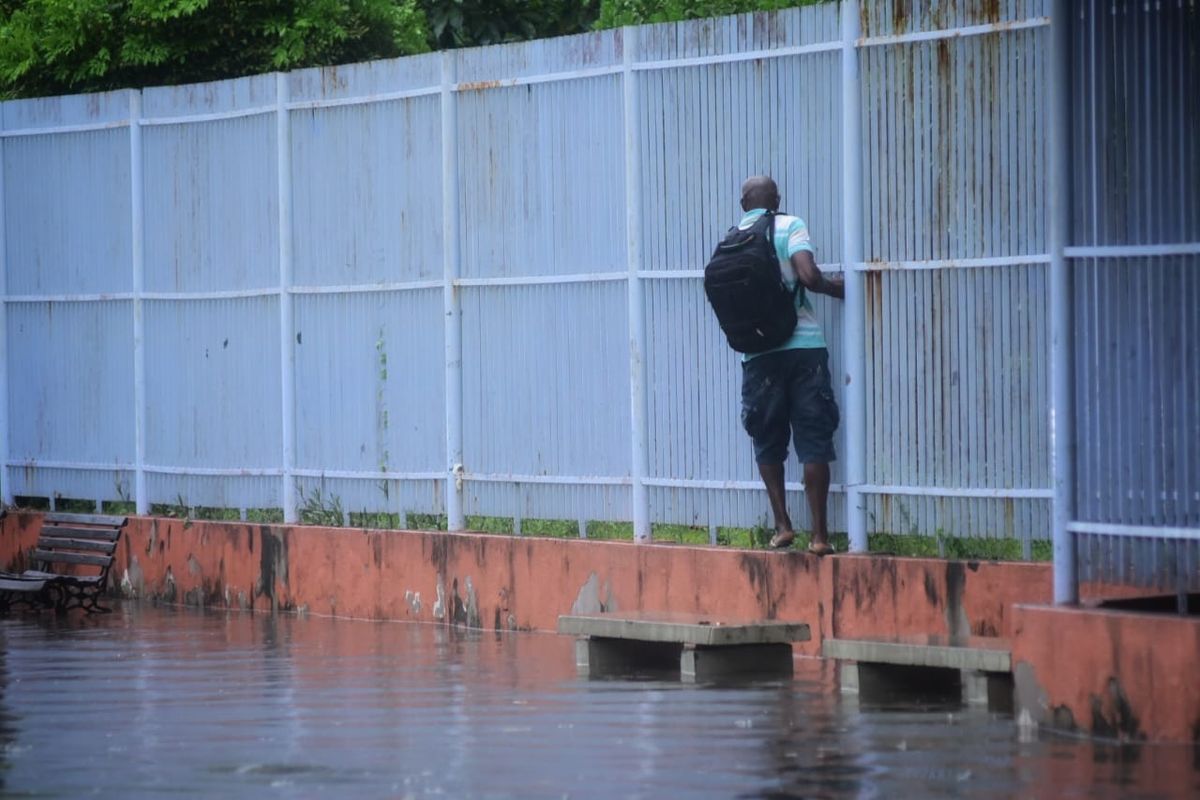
[(153, 702)]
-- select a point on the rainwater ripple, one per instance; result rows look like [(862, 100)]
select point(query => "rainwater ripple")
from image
[(154, 702)]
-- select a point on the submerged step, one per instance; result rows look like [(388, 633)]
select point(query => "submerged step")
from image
[(682, 628), (977, 653), (973, 670), (693, 646)]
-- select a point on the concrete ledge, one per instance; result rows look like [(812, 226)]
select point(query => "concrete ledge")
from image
[(979, 654), (689, 629)]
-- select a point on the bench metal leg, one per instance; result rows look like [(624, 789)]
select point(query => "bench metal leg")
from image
[(72, 595), (35, 601)]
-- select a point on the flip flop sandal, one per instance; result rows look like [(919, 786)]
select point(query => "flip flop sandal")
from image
[(779, 542), (820, 548)]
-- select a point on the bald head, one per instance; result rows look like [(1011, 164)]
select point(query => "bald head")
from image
[(760, 191)]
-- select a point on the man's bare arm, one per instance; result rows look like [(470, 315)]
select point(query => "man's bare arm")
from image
[(811, 277)]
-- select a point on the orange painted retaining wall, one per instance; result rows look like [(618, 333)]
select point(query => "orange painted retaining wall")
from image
[(1113, 674), (519, 583)]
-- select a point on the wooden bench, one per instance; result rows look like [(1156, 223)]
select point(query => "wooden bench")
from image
[(74, 540), (696, 648)]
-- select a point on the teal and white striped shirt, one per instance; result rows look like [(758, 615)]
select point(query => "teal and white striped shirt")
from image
[(791, 236)]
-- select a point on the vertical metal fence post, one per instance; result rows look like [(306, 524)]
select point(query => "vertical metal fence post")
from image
[(854, 317), (451, 302), (6, 493), (639, 440), (287, 325), (137, 216), (1062, 407)]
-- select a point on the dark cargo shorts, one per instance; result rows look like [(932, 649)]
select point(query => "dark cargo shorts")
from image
[(790, 392)]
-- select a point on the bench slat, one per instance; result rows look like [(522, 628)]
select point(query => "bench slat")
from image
[(84, 579), (85, 519), (72, 558), (21, 584), (76, 544), (81, 533), (107, 534)]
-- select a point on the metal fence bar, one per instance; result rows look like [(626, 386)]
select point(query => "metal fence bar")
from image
[(954, 263), (6, 493), (287, 325), (1134, 250), (534, 80), (71, 298), (342, 102), (216, 116), (87, 466), (639, 437), (220, 472), (49, 130), (545, 280), (451, 301), (736, 58), (956, 491), (854, 318), (1062, 413), (137, 216), (954, 33), (368, 288), (1134, 531)]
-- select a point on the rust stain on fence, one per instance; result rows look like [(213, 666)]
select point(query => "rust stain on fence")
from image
[(479, 86)]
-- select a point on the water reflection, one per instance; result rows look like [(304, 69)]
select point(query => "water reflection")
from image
[(148, 702), (8, 721)]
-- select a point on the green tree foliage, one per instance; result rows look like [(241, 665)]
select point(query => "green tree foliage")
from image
[(468, 23), (69, 46), (615, 13)]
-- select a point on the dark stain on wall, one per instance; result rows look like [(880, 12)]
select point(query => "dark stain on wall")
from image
[(758, 572), (931, 590), (1063, 720), (866, 588), (376, 549), (1112, 715), (956, 584), (439, 555), (458, 610), (984, 628), (272, 564)]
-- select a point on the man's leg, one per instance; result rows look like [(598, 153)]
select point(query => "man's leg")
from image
[(765, 411), (816, 489), (772, 475)]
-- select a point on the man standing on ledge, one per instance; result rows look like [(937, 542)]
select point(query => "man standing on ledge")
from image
[(787, 389)]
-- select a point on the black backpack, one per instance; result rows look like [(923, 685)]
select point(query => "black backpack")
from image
[(744, 285)]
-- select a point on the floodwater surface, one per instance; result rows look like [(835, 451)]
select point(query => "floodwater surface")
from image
[(151, 702)]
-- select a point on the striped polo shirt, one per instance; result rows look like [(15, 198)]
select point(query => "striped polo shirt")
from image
[(791, 236)]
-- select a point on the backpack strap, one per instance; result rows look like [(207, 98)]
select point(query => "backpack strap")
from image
[(798, 287)]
